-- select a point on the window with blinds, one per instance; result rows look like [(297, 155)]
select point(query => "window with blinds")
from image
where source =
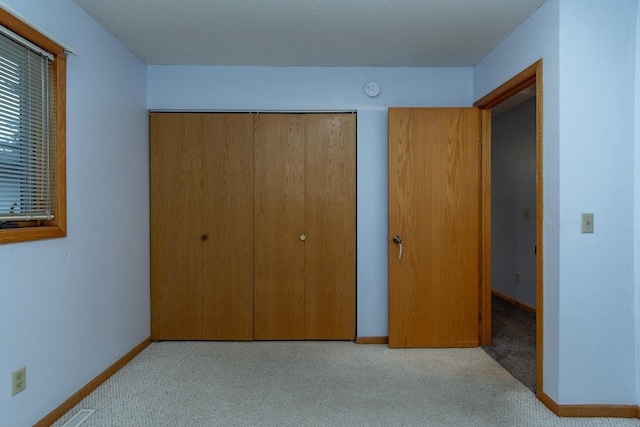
[(26, 124), (33, 201)]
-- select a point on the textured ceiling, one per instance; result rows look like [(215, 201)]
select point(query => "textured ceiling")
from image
[(358, 33)]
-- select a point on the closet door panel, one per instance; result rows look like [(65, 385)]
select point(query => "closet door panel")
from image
[(278, 225), (227, 292), (176, 218), (330, 223)]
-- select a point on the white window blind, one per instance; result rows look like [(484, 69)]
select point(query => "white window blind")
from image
[(26, 126)]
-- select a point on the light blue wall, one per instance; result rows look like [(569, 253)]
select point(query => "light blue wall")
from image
[(538, 38), (71, 307), (310, 89), (597, 72), (637, 207), (84, 301), (589, 61), (513, 190)]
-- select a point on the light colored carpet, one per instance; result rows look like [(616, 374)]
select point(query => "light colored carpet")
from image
[(316, 384)]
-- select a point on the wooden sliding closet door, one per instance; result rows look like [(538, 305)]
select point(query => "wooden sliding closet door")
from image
[(304, 216), (201, 226), (227, 223), (278, 227), (252, 226), (176, 226), (330, 226)]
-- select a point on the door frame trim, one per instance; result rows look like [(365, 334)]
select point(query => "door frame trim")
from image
[(528, 77)]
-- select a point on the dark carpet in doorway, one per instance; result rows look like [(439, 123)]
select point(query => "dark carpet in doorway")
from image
[(513, 340)]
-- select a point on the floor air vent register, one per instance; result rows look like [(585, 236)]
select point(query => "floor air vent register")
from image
[(79, 418)]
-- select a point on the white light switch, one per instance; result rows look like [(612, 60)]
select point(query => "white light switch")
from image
[(587, 223)]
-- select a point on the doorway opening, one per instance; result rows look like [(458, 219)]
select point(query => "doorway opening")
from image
[(513, 236), (513, 249)]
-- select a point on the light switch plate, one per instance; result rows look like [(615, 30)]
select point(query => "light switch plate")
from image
[(587, 223)]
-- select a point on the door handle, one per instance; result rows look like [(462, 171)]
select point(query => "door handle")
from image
[(398, 241)]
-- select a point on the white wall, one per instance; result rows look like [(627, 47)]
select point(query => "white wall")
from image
[(266, 88), (71, 307), (589, 62), (513, 191)]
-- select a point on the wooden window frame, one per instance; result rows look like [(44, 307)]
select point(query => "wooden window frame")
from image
[(57, 227)]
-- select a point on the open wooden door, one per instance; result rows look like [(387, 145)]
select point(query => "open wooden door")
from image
[(434, 211)]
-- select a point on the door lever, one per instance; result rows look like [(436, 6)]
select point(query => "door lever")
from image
[(398, 241)]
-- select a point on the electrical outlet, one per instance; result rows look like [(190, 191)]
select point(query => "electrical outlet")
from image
[(18, 380), (517, 277)]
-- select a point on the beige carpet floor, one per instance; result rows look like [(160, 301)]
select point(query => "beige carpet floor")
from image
[(316, 384)]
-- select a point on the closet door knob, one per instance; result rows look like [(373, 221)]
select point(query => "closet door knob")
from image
[(204, 237), (303, 237)]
